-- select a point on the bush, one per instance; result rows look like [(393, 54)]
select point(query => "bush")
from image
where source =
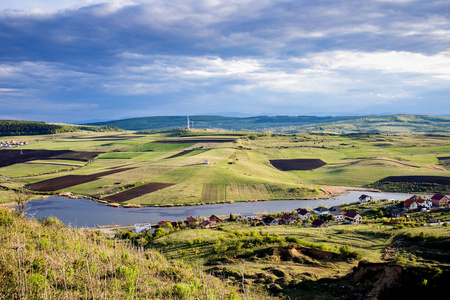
[(347, 252)]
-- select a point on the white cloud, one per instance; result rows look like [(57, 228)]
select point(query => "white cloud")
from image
[(390, 62)]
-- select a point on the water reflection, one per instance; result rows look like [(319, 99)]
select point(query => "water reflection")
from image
[(86, 213)]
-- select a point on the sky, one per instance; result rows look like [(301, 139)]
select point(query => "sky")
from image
[(73, 61)]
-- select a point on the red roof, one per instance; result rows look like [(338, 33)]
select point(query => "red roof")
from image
[(286, 217), (437, 197), (191, 219), (351, 213), (318, 222), (421, 201), (302, 211), (409, 202)]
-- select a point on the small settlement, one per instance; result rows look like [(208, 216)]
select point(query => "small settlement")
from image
[(11, 144), (322, 216)]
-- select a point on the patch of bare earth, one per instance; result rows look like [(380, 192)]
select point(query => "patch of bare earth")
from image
[(338, 190), (435, 167), (63, 182), (137, 192)]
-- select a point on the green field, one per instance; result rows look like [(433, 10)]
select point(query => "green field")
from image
[(238, 171)]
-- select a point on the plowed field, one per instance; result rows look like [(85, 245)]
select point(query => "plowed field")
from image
[(185, 141), (11, 157), (297, 164), (63, 182), (418, 179), (180, 154), (444, 160), (137, 192)]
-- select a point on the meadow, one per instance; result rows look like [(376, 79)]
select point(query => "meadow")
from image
[(206, 171)]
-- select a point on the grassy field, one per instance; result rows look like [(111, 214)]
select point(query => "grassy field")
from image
[(237, 171)]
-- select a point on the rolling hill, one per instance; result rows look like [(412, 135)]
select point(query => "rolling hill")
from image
[(393, 124)]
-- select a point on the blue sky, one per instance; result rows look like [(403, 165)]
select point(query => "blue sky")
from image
[(77, 60)]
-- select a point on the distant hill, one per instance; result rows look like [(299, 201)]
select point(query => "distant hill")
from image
[(13, 128), (395, 124)]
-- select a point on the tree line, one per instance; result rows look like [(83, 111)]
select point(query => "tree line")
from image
[(13, 128)]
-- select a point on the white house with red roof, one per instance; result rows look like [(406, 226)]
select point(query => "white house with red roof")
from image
[(352, 217)]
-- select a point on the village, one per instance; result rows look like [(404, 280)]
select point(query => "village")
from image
[(11, 144), (416, 210)]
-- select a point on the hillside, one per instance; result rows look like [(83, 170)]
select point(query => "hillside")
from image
[(13, 128), (394, 124), (198, 167), (45, 260)]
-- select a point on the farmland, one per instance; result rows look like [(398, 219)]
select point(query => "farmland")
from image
[(241, 166)]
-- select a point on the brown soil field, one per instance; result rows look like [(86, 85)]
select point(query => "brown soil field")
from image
[(137, 192), (444, 160), (297, 164), (11, 157), (418, 179), (180, 154), (63, 182), (110, 138), (185, 141)]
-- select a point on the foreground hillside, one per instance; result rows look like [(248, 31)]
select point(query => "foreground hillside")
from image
[(384, 257), (203, 167), (46, 260), (392, 124)]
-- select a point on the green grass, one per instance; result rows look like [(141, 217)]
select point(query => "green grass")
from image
[(243, 168), (119, 155), (55, 261), (159, 147)]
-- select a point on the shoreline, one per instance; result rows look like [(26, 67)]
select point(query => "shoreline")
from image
[(330, 192)]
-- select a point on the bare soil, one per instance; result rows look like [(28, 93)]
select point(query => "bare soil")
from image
[(180, 154), (13, 156), (297, 164), (186, 141), (137, 192), (418, 179), (63, 182)]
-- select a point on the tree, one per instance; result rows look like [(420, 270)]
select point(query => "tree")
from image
[(21, 197)]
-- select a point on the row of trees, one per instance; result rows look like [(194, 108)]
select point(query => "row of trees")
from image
[(12, 128)]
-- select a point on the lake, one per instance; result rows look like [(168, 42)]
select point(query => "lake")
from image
[(87, 213)]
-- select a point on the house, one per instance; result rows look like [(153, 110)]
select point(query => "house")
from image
[(141, 227), (208, 224), (424, 203), (319, 223), (269, 221), (396, 214), (337, 213), (247, 217), (352, 217), (214, 218), (303, 214), (287, 219), (410, 204), (192, 221), (439, 200), (365, 198), (321, 211)]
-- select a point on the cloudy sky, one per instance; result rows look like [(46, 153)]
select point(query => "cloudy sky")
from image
[(77, 60)]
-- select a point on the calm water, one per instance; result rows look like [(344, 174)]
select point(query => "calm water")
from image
[(87, 213)]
